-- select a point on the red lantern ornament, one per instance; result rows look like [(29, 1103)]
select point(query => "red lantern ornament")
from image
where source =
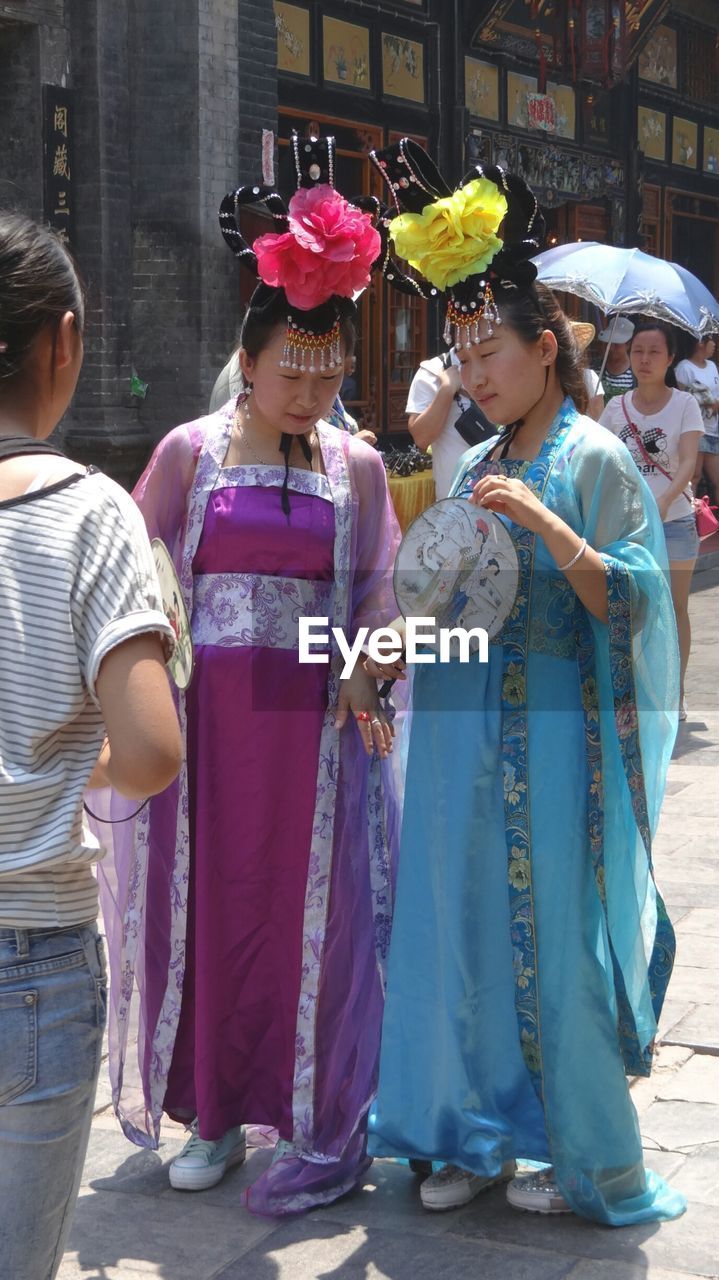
[(572, 49), (542, 77)]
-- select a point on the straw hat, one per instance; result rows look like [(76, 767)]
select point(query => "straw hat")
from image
[(583, 333)]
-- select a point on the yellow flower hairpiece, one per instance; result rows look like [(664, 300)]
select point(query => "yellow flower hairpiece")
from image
[(454, 237)]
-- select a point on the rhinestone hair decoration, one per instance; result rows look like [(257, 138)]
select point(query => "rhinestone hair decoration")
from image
[(309, 351), (461, 322), (319, 253), (492, 219)]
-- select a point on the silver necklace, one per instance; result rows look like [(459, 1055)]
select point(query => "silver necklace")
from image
[(253, 451)]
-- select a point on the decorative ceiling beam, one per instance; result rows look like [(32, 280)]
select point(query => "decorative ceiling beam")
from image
[(518, 27)]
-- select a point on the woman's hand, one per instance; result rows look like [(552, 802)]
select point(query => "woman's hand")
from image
[(451, 378), (511, 498), (358, 697), (368, 436), (385, 670), (389, 670)]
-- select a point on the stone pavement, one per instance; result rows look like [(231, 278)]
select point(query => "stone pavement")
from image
[(129, 1225)]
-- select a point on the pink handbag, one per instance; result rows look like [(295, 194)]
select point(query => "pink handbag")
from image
[(707, 523)]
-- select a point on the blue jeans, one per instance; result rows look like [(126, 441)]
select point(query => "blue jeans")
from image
[(52, 1015), (681, 538)]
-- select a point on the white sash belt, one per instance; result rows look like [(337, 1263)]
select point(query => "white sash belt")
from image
[(253, 609)]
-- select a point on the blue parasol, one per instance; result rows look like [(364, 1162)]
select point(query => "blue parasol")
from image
[(629, 282)]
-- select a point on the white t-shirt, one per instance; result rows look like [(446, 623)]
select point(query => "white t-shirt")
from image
[(77, 578), (449, 446), (660, 434), (703, 384)]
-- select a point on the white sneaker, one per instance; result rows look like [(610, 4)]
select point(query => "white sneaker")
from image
[(202, 1164), (537, 1193), (683, 712), (452, 1186)]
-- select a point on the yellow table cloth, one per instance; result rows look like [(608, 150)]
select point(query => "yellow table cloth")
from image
[(411, 495)]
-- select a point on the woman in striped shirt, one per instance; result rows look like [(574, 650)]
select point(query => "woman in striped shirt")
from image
[(83, 693)]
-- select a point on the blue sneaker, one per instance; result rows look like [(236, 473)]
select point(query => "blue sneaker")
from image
[(202, 1164)]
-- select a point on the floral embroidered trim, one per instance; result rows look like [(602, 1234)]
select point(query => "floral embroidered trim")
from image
[(516, 645), (322, 848), (637, 1060), (234, 609)]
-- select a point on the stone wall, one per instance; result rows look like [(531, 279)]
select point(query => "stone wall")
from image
[(169, 105)]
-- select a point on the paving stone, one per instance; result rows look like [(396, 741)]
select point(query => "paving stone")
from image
[(699, 1029), (701, 920), (687, 1244), (671, 844), (676, 786), (114, 1236), (298, 1250), (696, 950), (667, 1061), (679, 916), (672, 1012), (679, 1126), (668, 1058), (694, 986), (678, 820), (698, 1179), (697, 872), (595, 1270), (389, 1196), (700, 800), (696, 1081), (114, 1164), (678, 894)]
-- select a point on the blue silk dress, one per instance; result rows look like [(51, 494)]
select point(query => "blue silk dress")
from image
[(531, 950)]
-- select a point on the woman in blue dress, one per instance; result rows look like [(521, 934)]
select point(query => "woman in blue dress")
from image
[(531, 950)]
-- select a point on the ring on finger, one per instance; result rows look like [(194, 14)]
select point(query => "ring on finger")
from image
[(364, 716)]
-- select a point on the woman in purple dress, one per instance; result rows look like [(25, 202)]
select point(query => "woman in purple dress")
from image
[(253, 902)]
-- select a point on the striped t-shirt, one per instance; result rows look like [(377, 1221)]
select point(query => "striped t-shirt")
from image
[(77, 578), (617, 384)]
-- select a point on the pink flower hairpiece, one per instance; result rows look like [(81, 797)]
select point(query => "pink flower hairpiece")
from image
[(329, 249), (3, 348)]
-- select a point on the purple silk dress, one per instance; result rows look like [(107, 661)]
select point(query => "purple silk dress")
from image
[(252, 776), (248, 907)]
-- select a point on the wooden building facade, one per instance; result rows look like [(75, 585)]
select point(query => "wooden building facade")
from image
[(607, 107)]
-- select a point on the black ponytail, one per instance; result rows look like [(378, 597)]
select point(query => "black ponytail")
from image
[(39, 284)]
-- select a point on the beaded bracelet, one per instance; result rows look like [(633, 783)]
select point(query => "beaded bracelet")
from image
[(582, 548)]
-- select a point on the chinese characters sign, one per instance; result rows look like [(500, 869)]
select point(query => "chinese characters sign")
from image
[(57, 105), (541, 112)]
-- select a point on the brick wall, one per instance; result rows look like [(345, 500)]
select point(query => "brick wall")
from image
[(104, 426), (200, 137), (21, 115), (170, 103)]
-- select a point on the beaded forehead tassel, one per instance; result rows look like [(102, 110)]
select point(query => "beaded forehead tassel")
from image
[(461, 325), (311, 352)]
